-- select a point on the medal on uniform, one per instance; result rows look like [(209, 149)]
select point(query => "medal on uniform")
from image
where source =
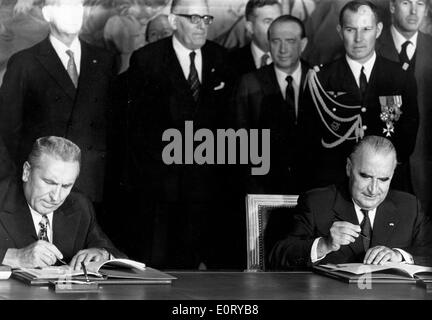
[(390, 112)]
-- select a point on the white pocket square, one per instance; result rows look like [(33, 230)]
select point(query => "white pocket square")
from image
[(220, 86)]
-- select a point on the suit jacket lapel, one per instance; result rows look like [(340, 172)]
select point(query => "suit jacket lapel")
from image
[(385, 223), (17, 217), (65, 226), (372, 79), (270, 84), (344, 209), (177, 80), (421, 55), (387, 47), (86, 68), (346, 77), (303, 85), (53, 65)]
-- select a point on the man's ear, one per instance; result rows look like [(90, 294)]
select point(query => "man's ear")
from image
[(172, 19), (26, 171), (46, 12), (304, 43), (392, 7), (379, 29), (339, 30), (348, 167), (249, 27)]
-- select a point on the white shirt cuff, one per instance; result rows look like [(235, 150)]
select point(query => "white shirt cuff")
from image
[(406, 256), (314, 253)]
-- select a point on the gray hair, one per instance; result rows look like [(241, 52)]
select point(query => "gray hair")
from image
[(178, 3), (55, 2), (375, 143), (57, 147)]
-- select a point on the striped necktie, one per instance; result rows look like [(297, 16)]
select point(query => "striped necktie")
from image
[(193, 79), (43, 229), (71, 68), (366, 229)]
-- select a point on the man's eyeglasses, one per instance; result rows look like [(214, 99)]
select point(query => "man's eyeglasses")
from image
[(196, 18)]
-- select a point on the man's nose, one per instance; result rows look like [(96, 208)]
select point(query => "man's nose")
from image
[(201, 24), (413, 8), (373, 186), (283, 47), (358, 36), (55, 194)]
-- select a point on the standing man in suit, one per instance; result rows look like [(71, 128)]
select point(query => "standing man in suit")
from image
[(259, 15), (60, 87), (358, 221), (405, 44), (41, 221), (181, 78), (271, 97), (359, 94)]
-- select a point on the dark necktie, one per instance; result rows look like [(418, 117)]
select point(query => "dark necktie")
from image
[(264, 59), (403, 55), (71, 68), (43, 229), (366, 229), (363, 82), (290, 99), (193, 77)]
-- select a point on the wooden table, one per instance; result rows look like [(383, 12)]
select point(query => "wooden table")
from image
[(227, 286)]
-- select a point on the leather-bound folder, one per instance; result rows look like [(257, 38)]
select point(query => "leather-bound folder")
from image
[(388, 273), (116, 271)]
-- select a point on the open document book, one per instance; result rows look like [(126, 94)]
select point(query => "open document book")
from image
[(389, 272), (108, 271)]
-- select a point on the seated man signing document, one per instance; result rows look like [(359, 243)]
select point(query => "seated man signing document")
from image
[(41, 221), (360, 220)]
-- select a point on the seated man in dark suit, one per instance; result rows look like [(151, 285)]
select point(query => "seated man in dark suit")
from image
[(41, 221), (361, 221)]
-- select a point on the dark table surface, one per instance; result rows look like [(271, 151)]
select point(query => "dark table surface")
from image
[(228, 286)]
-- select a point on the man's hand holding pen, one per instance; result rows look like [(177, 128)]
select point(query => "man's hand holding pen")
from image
[(344, 233), (39, 254), (341, 233)]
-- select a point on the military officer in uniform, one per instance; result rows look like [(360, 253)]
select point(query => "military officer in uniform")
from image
[(359, 94)]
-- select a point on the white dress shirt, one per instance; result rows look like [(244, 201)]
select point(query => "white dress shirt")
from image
[(60, 48), (281, 78), (356, 68), (399, 40), (257, 54), (37, 217), (371, 213), (183, 57)]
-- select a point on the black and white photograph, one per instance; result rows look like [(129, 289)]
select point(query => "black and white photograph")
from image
[(218, 157)]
